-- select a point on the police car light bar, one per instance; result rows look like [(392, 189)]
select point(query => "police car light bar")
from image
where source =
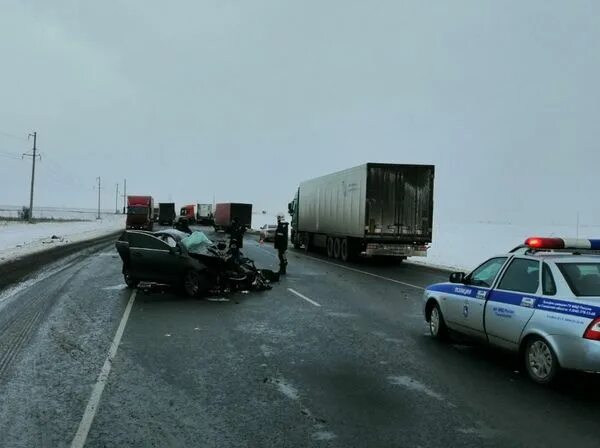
[(562, 243)]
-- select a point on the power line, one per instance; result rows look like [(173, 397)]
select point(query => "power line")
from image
[(7, 134), (9, 156)]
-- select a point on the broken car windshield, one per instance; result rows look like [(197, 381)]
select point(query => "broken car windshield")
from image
[(196, 242)]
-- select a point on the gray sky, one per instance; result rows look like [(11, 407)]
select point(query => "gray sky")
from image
[(245, 99)]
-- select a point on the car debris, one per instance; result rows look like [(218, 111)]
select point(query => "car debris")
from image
[(192, 263)]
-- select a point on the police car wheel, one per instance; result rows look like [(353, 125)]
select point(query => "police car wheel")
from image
[(437, 325), (540, 361)]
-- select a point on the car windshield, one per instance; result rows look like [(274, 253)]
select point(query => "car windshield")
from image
[(197, 242), (137, 210), (582, 278)]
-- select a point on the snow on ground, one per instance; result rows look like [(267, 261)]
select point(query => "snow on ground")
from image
[(19, 238), (464, 246), (84, 214)]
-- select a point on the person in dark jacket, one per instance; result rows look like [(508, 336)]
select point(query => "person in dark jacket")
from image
[(236, 241), (183, 225), (281, 242)]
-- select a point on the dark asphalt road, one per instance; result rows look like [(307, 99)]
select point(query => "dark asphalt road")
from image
[(350, 367)]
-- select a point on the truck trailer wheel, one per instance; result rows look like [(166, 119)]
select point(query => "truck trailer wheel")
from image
[(345, 250), (330, 247), (337, 248)]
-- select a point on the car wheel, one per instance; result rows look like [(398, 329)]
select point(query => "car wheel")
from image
[(540, 361), (129, 280), (437, 324), (192, 283), (337, 248), (330, 247)]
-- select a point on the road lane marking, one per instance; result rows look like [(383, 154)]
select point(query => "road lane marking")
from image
[(349, 269), (92, 406), (303, 297), (366, 273)]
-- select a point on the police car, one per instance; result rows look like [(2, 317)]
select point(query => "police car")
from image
[(541, 300)]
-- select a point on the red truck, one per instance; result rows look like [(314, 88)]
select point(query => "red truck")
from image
[(224, 213), (189, 212), (140, 212)]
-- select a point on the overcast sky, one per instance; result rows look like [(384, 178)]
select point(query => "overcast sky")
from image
[(243, 99)]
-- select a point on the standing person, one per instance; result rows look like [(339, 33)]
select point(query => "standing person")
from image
[(281, 242), (236, 241)]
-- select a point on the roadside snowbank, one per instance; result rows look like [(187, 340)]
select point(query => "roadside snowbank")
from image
[(18, 239)]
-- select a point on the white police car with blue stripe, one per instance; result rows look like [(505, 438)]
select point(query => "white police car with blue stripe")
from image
[(541, 300)]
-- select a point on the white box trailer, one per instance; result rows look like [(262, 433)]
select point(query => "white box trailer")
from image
[(372, 209)]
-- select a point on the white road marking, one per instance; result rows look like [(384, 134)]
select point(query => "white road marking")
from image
[(412, 384), (303, 297), (115, 287), (92, 406), (366, 273), (288, 390), (324, 435)]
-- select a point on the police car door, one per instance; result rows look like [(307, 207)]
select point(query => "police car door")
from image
[(466, 305), (511, 304)]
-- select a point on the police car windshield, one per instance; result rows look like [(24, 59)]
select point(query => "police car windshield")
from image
[(582, 278)]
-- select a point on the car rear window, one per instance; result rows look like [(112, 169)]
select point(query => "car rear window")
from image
[(582, 278)]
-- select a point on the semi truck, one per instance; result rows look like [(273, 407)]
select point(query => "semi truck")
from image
[(166, 213), (204, 215), (189, 212), (224, 213), (140, 212), (375, 209)]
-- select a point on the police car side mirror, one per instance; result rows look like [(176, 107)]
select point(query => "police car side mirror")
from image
[(457, 277)]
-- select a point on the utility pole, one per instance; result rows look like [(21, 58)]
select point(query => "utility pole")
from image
[(33, 156), (99, 187), (124, 196), (117, 200)]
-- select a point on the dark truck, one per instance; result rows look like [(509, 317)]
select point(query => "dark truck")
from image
[(140, 212), (166, 213), (224, 213), (374, 209)]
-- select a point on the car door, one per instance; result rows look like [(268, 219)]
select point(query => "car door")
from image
[(511, 303), (466, 305), (150, 258)]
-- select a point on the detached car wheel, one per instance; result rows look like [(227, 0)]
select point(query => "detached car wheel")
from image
[(437, 324), (129, 280), (540, 361)]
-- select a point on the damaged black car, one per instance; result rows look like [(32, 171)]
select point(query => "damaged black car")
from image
[(191, 263)]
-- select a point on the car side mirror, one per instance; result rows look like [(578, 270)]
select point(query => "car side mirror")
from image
[(291, 208), (175, 250), (457, 277)]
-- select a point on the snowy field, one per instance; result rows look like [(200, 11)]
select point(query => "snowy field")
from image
[(84, 214), (19, 238), (464, 246), (458, 246)]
